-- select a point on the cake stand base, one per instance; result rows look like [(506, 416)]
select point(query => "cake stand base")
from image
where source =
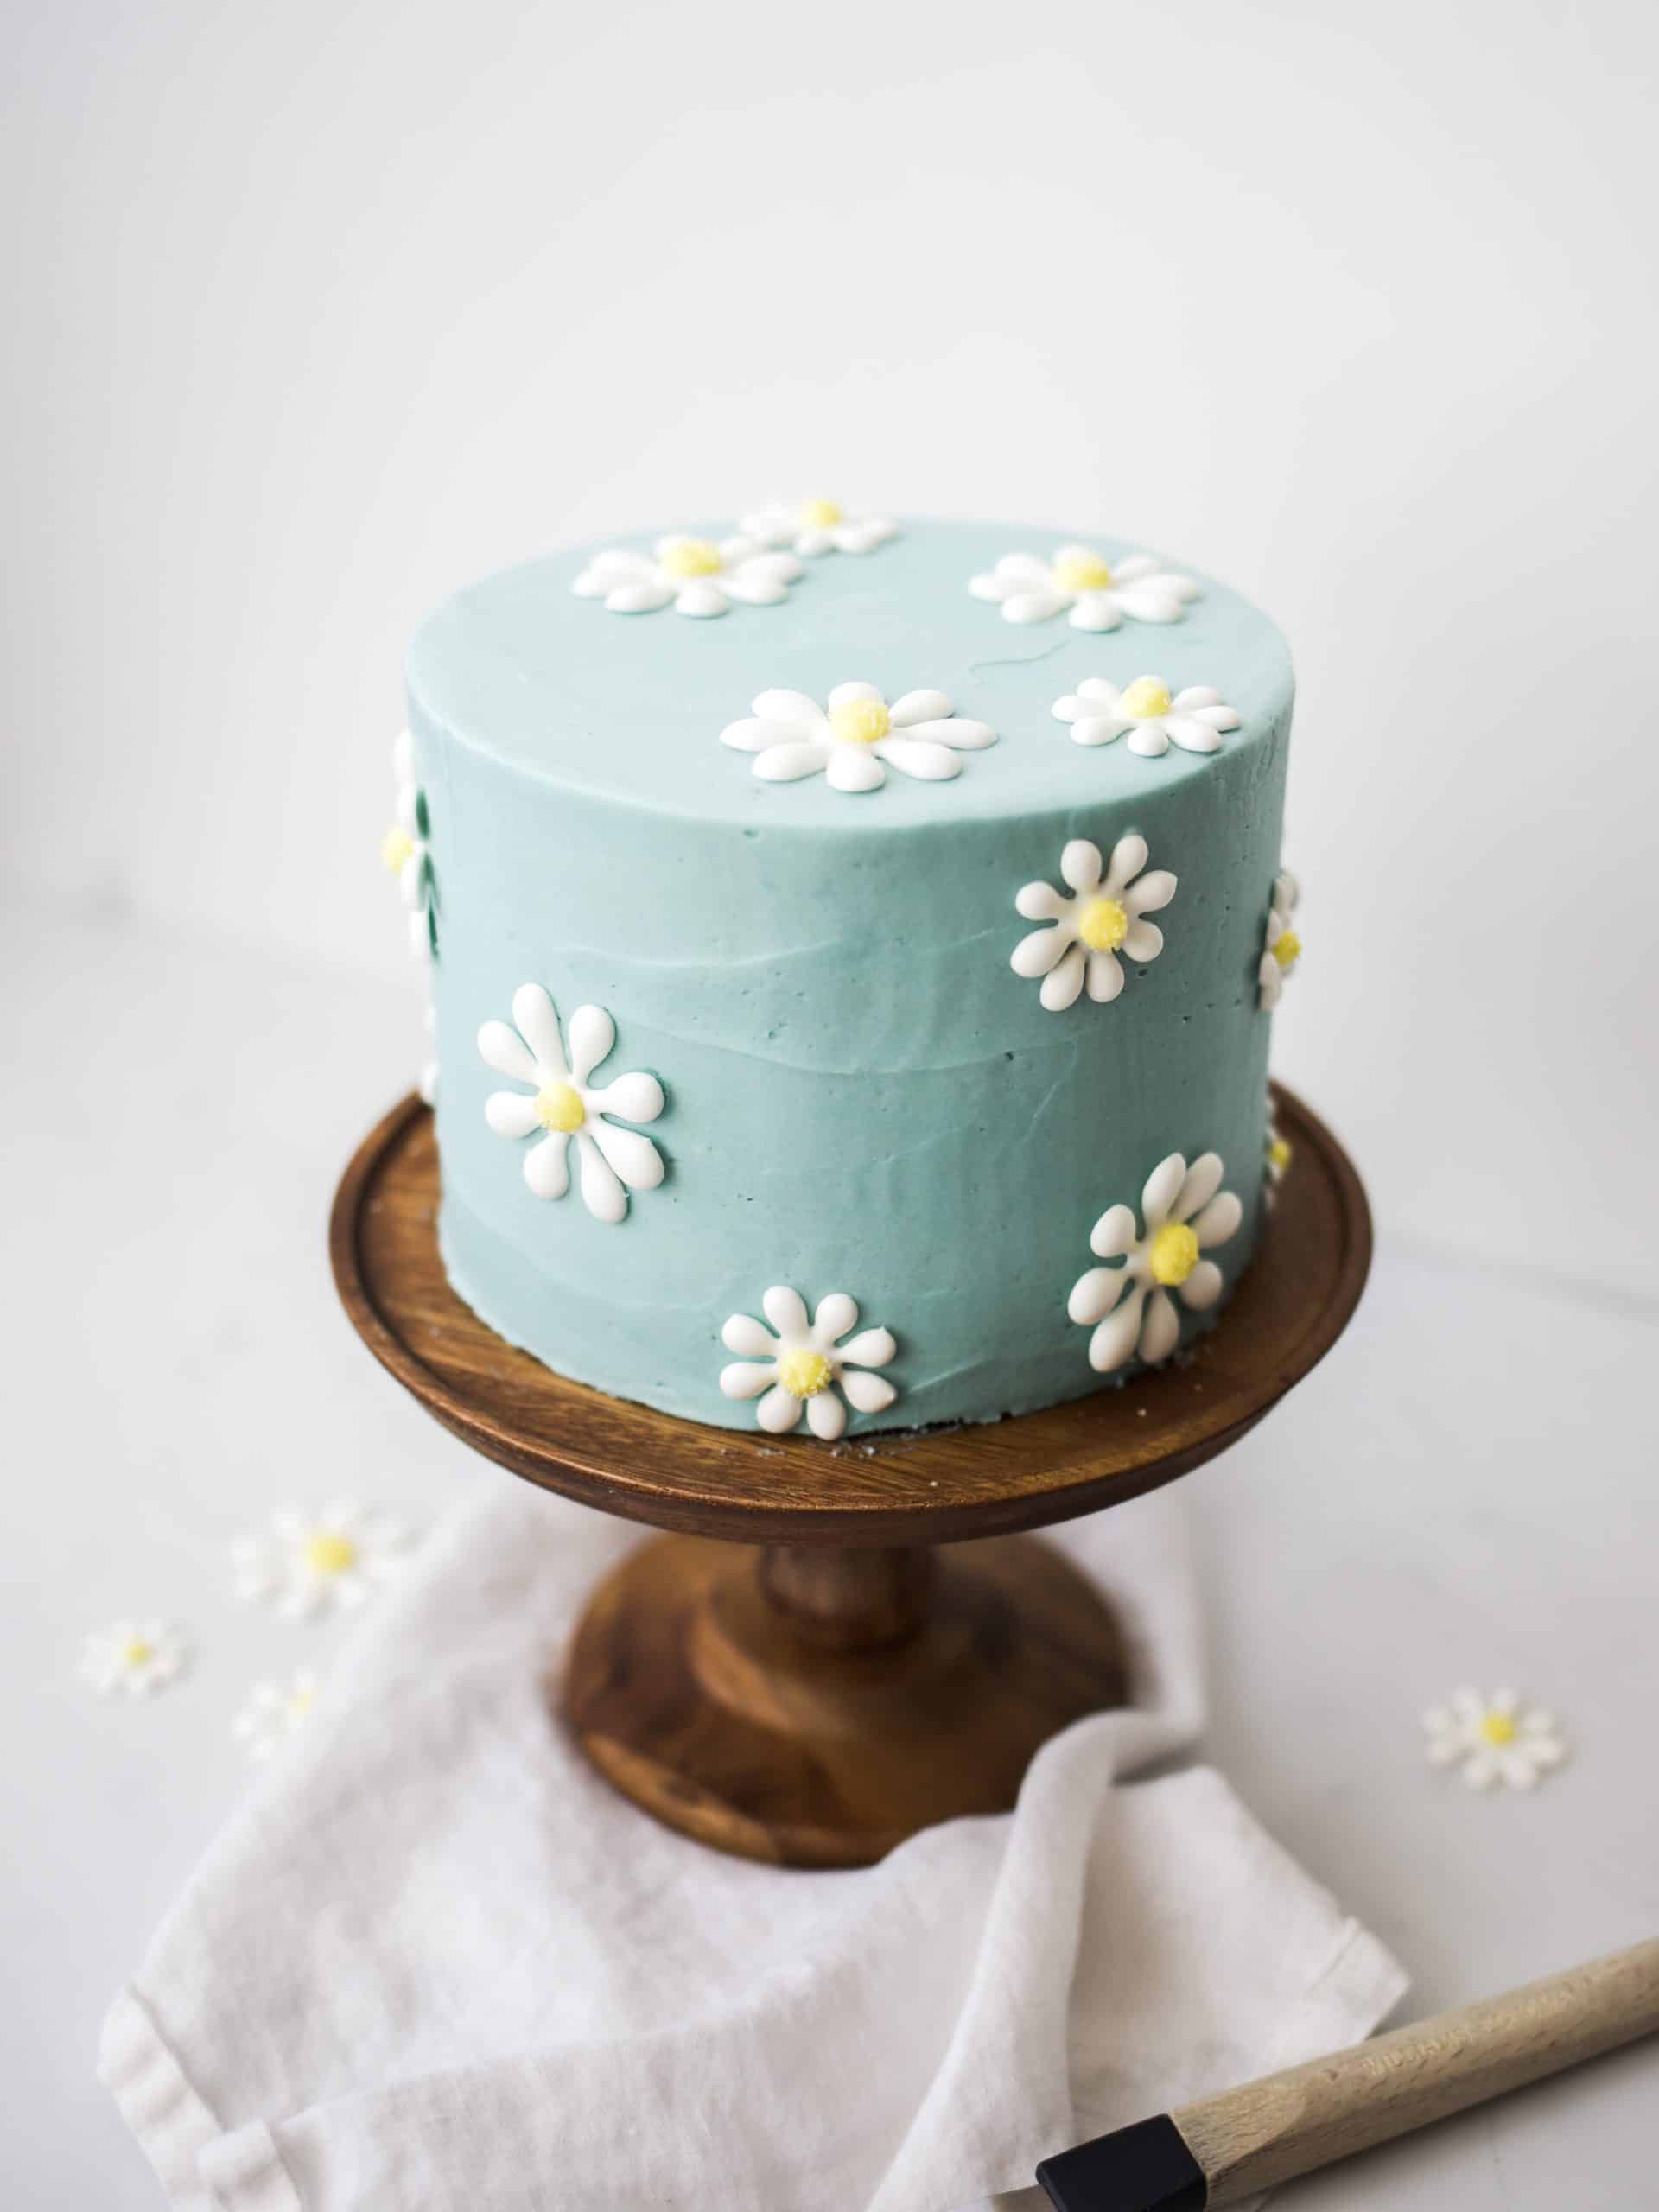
[(814, 1708)]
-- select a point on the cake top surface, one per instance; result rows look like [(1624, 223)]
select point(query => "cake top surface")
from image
[(534, 667)]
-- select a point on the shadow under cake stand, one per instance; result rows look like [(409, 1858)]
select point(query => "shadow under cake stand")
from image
[(798, 1674)]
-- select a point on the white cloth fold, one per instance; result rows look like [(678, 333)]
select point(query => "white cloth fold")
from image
[(435, 1964)]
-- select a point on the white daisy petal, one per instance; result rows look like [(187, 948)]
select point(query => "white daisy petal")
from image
[(538, 1025), (789, 762), (778, 1411), (1113, 1233), (1040, 902), (792, 708), (753, 590), (786, 1311), (633, 1097), (1202, 1288), (747, 1379), (632, 1159), (1099, 729), (546, 1169), (749, 736), (601, 1193), (1016, 570), (1129, 856), (870, 1348), (703, 597), (1149, 740), (1196, 696), (1097, 610), (1035, 954), (855, 768), (854, 694), (967, 737), (1142, 941), (919, 706), (1150, 602), (826, 1416), (1150, 892), (593, 1036), (913, 756), (868, 1394), (1095, 1294), (1191, 735), (1104, 977), (1162, 1186), (504, 1050), (1062, 984), (1080, 866), (1034, 606), (835, 1315), (1161, 1331), (743, 1334), (1114, 1341), (1218, 1221), (1198, 1187), (511, 1113)]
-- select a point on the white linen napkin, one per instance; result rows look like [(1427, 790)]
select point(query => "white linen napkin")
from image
[(435, 1964)]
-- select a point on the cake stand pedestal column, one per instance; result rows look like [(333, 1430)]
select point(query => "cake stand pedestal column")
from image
[(799, 1673)]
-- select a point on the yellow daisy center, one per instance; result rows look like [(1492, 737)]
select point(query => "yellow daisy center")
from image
[(820, 514), (860, 722), (396, 848), (137, 1652), (1175, 1254), (1145, 698), (804, 1374), (1279, 1154), (1498, 1727), (1102, 925), (559, 1107), (301, 1699), (326, 1551), (1081, 572), (1286, 949), (691, 556)]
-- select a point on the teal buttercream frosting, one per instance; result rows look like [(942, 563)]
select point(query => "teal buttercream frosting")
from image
[(861, 1095)]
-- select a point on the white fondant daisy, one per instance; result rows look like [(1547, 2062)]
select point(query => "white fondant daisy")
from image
[(1278, 1153), (1183, 1211), (698, 575), (802, 1366), (272, 1712), (818, 526), (1086, 931), (920, 735), (1493, 1739), (1099, 593), (1099, 713), (406, 852), (134, 1658), (1282, 948), (562, 1103), (308, 1563)]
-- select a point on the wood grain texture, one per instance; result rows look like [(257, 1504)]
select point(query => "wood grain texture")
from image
[(1267, 2132), (897, 1489), (693, 1691)]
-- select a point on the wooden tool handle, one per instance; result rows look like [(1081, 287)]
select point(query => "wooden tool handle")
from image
[(1272, 2130)]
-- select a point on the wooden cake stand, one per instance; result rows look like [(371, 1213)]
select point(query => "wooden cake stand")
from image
[(798, 1675)]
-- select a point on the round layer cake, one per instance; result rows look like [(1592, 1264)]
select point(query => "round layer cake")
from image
[(853, 953)]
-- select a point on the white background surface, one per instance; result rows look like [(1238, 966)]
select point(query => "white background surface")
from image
[(316, 313)]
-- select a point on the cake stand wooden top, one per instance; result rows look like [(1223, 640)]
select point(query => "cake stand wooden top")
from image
[(927, 1487)]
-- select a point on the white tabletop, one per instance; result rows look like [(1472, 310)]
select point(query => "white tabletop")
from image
[(1464, 1492)]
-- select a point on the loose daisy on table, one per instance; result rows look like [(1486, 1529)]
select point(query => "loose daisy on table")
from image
[(695, 575), (803, 1364), (1282, 948), (308, 1563), (856, 738), (1184, 1212), (817, 526), (562, 1103), (1493, 1739), (274, 1711), (1099, 593), (1099, 714), (134, 1658), (1085, 932), (406, 852)]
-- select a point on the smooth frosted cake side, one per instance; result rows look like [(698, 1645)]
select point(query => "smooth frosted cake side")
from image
[(708, 1037)]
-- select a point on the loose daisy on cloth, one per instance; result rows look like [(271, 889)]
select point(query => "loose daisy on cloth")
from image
[(134, 1658), (309, 1563), (802, 1365), (1493, 1739), (273, 1712), (694, 574), (856, 738), (1282, 948), (1099, 714), (562, 1103), (817, 526), (1184, 1212), (1099, 593), (1104, 916)]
